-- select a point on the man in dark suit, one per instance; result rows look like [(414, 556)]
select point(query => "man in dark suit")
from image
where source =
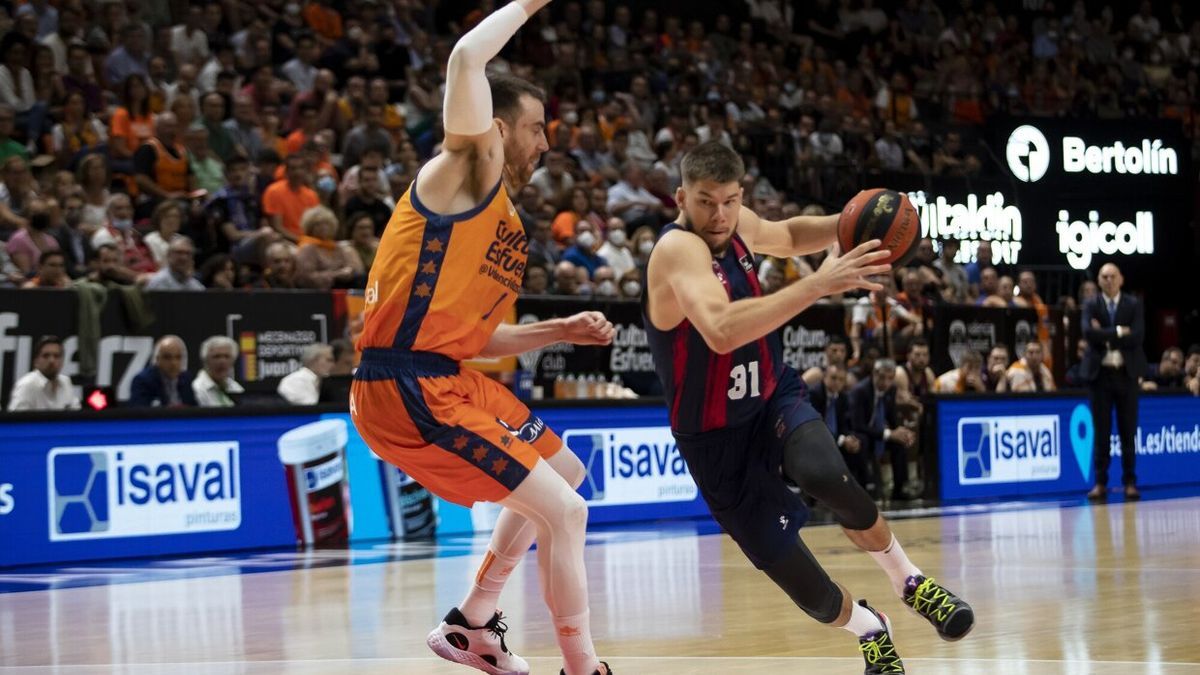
[(874, 419), (166, 382), (830, 399), (1114, 326)]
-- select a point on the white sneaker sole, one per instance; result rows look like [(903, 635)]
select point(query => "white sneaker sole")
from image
[(440, 646)]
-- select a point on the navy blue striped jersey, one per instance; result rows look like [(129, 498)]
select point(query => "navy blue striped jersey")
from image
[(707, 391)]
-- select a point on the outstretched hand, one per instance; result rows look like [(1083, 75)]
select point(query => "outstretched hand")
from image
[(841, 273), (588, 328)]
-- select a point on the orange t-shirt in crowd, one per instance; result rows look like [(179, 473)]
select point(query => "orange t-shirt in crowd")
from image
[(563, 227), (296, 141), (134, 131), (280, 200), (325, 21)]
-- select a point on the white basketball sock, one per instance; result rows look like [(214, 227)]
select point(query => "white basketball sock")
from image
[(560, 516), (897, 565), (480, 603), (863, 621), (511, 539), (574, 635)]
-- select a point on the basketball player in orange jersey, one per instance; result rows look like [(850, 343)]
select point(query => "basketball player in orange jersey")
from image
[(448, 269), (741, 417)]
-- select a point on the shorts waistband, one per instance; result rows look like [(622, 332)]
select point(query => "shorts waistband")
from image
[(419, 364)]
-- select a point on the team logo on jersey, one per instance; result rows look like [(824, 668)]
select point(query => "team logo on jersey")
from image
[(530, 431), (504, 261), (747, 264)]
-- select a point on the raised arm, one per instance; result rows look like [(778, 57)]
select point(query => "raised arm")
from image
[(684, 263), (472, 155), (795, 236)]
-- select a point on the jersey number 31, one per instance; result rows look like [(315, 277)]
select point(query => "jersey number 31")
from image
[(740, 374)]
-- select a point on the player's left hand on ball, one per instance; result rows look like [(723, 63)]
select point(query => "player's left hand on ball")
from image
[(589, 328)]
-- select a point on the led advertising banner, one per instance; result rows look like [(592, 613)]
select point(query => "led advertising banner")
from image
[(77, 490), (1068, 193), (1008, 447)]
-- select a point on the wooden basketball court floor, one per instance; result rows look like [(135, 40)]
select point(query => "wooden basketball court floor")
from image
[(1060, 588)]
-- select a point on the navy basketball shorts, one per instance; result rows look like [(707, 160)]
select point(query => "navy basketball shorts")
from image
[(738, 472)]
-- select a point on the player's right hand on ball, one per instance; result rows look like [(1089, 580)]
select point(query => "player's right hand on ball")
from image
[(846, 272)]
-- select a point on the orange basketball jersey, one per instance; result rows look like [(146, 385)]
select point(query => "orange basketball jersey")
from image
[(442, 283)]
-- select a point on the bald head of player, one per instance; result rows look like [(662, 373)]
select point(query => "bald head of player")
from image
[(520, 112), (710, 198)]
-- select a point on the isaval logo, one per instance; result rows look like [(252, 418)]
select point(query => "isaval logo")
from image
[(1008, 449), (636, 465), (143, 490), (7, 501)]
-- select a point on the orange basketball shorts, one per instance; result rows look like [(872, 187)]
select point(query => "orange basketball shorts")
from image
[(464, 437)]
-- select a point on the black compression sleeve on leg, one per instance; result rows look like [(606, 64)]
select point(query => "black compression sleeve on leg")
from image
[(812, 460), (806, 583)]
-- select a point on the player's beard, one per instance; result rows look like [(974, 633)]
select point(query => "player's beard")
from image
[(516, 176), (518, 173)]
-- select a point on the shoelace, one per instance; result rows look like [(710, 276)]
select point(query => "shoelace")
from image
[(498, 628), (881, 652), (929, 594)]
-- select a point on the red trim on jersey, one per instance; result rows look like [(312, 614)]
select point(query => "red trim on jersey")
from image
[(679, 367), (716, 398), (769, 380)]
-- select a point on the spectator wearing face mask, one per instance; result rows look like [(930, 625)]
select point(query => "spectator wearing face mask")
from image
[(631, 285), (583, 253), (616, 249), (641, 244), (604, 283), (26, 245), (119, 232)]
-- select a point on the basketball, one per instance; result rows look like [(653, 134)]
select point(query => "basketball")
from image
[(881, 214)]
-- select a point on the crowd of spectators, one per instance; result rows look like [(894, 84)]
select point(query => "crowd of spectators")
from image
[(322, 375), (263, 145), (873, 404), (142, 124)]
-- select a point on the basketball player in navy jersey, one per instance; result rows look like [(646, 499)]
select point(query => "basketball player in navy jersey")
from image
[(741, 417)]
